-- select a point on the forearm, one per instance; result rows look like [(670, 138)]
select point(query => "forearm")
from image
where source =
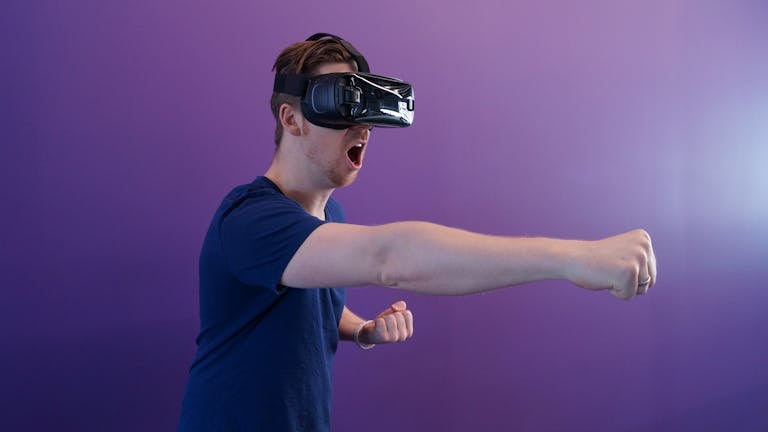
[(348, 323), (438, 260)]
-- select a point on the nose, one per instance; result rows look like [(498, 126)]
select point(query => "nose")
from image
[(362, 131)]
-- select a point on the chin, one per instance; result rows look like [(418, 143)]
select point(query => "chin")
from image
[(343, 180)]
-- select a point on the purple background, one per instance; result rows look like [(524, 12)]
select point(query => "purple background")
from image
[(124, 123)]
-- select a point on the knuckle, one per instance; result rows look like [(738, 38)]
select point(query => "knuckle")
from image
[(645, 244), (628, 272), (639, 252)]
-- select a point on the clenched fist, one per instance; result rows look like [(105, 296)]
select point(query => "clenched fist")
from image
[(394, 324), (625, 264)]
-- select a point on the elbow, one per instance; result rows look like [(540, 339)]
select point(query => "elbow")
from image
[(389, 272), (387, 279), (399, 260), (391, 261)]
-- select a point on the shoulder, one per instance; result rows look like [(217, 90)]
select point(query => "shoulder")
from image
[(259, 195)]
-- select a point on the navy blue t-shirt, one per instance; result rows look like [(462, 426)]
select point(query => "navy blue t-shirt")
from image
[(264, 351)]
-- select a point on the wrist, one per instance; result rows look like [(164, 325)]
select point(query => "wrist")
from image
[(574, 257), (356, 336), (566, 258)]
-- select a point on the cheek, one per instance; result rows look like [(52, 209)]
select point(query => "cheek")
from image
[(326, 135), (334, 137)]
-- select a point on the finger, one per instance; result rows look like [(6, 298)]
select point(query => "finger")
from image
[(380, 331), (398, 306), (373, 332), (648, 271), (644, 283), (625, 292), (628, 287), (394, 307), (652, 265), (391, 329), (402, 331), (642, 289), (643, 277), (409, 322)]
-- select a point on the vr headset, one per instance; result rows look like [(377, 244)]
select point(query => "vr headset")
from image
[(342, 100)]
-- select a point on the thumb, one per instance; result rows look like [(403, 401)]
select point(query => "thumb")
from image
[(395, 307)]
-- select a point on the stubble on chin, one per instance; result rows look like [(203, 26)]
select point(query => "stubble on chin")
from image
[(341, 179)]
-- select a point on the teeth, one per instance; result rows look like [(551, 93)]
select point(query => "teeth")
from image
[(359, 145)]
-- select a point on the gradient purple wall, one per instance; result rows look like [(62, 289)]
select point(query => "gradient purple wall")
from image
[(123, 124)]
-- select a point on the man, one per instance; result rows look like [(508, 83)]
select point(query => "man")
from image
[(270, 322)]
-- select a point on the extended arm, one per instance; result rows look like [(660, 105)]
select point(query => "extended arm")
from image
[(438, 260)]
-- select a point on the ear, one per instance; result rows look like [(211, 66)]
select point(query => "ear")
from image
[(291, 119)]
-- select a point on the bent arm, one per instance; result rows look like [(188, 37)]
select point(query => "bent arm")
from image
[(438, 260), (348, 323)]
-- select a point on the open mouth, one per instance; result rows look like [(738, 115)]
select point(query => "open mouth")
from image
[(355, 154)]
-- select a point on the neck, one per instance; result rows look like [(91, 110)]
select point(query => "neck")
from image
[(311, 197)]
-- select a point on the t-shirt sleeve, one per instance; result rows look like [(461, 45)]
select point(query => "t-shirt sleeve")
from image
[(260, 236)]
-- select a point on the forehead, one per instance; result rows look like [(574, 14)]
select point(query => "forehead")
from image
[(327, 68)]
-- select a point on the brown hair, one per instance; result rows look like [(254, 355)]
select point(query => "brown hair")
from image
[(304, 58)]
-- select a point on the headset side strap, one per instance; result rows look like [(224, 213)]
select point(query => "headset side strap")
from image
[(295, 85)]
